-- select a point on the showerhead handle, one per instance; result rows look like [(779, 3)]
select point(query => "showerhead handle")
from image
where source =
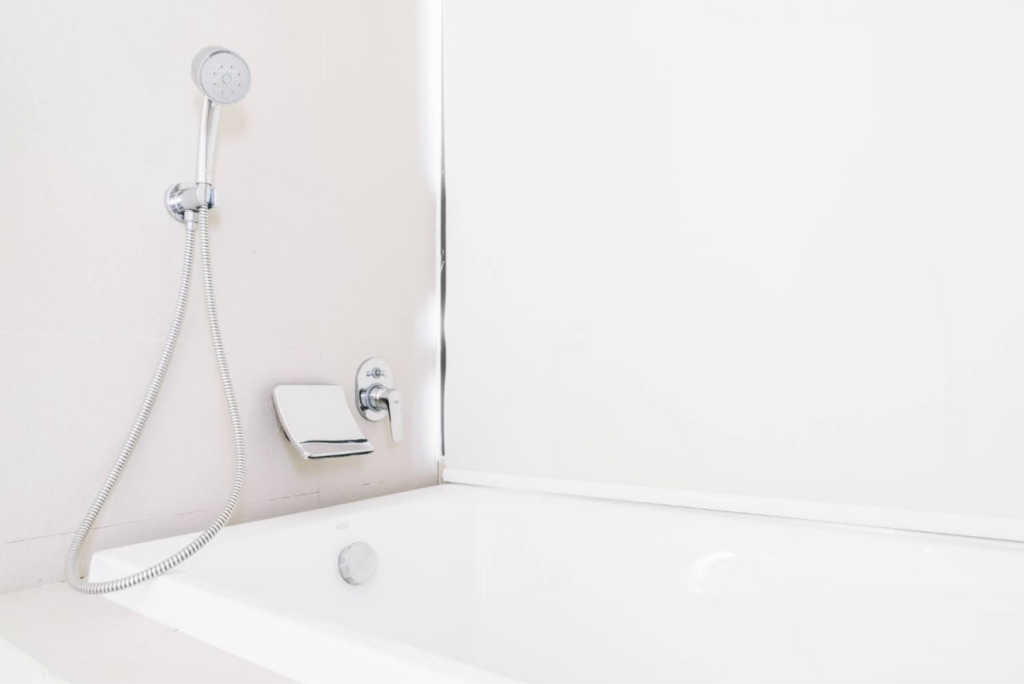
[(207, 141)]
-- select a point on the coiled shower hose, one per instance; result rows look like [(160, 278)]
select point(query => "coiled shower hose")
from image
[(71, 572)]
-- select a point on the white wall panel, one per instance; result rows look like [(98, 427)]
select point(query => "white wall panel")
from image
[(764, 248)]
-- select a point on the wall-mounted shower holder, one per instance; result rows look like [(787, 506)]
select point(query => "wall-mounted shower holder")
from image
[(376, 396), (183, 197)]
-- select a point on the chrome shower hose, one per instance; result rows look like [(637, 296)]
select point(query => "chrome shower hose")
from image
[(71, 571)]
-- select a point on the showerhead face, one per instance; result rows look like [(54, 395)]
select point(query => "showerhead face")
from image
[(221, 74)]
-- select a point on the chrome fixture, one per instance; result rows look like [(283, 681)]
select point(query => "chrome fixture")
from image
[(317, 421), (377, 397), (357, 563), (223, 77)]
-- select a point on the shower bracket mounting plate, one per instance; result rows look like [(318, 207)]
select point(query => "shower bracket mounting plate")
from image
[(182, 197), (372, 374)]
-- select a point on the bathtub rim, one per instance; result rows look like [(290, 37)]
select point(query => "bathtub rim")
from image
[(951, 524)]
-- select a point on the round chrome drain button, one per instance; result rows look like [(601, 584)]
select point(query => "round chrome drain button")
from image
[(357, 563)]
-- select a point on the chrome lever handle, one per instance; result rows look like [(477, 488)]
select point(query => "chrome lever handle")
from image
[(391, 401)]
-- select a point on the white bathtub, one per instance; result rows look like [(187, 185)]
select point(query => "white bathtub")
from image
[(477, 583)]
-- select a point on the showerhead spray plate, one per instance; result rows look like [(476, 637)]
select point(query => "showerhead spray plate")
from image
[(221, 74)]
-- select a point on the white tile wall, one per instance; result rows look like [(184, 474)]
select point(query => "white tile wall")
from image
[(324, 249)]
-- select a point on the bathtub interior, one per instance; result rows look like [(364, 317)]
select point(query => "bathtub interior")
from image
[(547, 587)]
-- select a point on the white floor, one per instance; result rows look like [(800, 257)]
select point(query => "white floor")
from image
[(54, 634), (15, 666)]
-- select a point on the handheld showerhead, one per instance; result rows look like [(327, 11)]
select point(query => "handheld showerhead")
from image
[(224, 78), (221, 74)]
